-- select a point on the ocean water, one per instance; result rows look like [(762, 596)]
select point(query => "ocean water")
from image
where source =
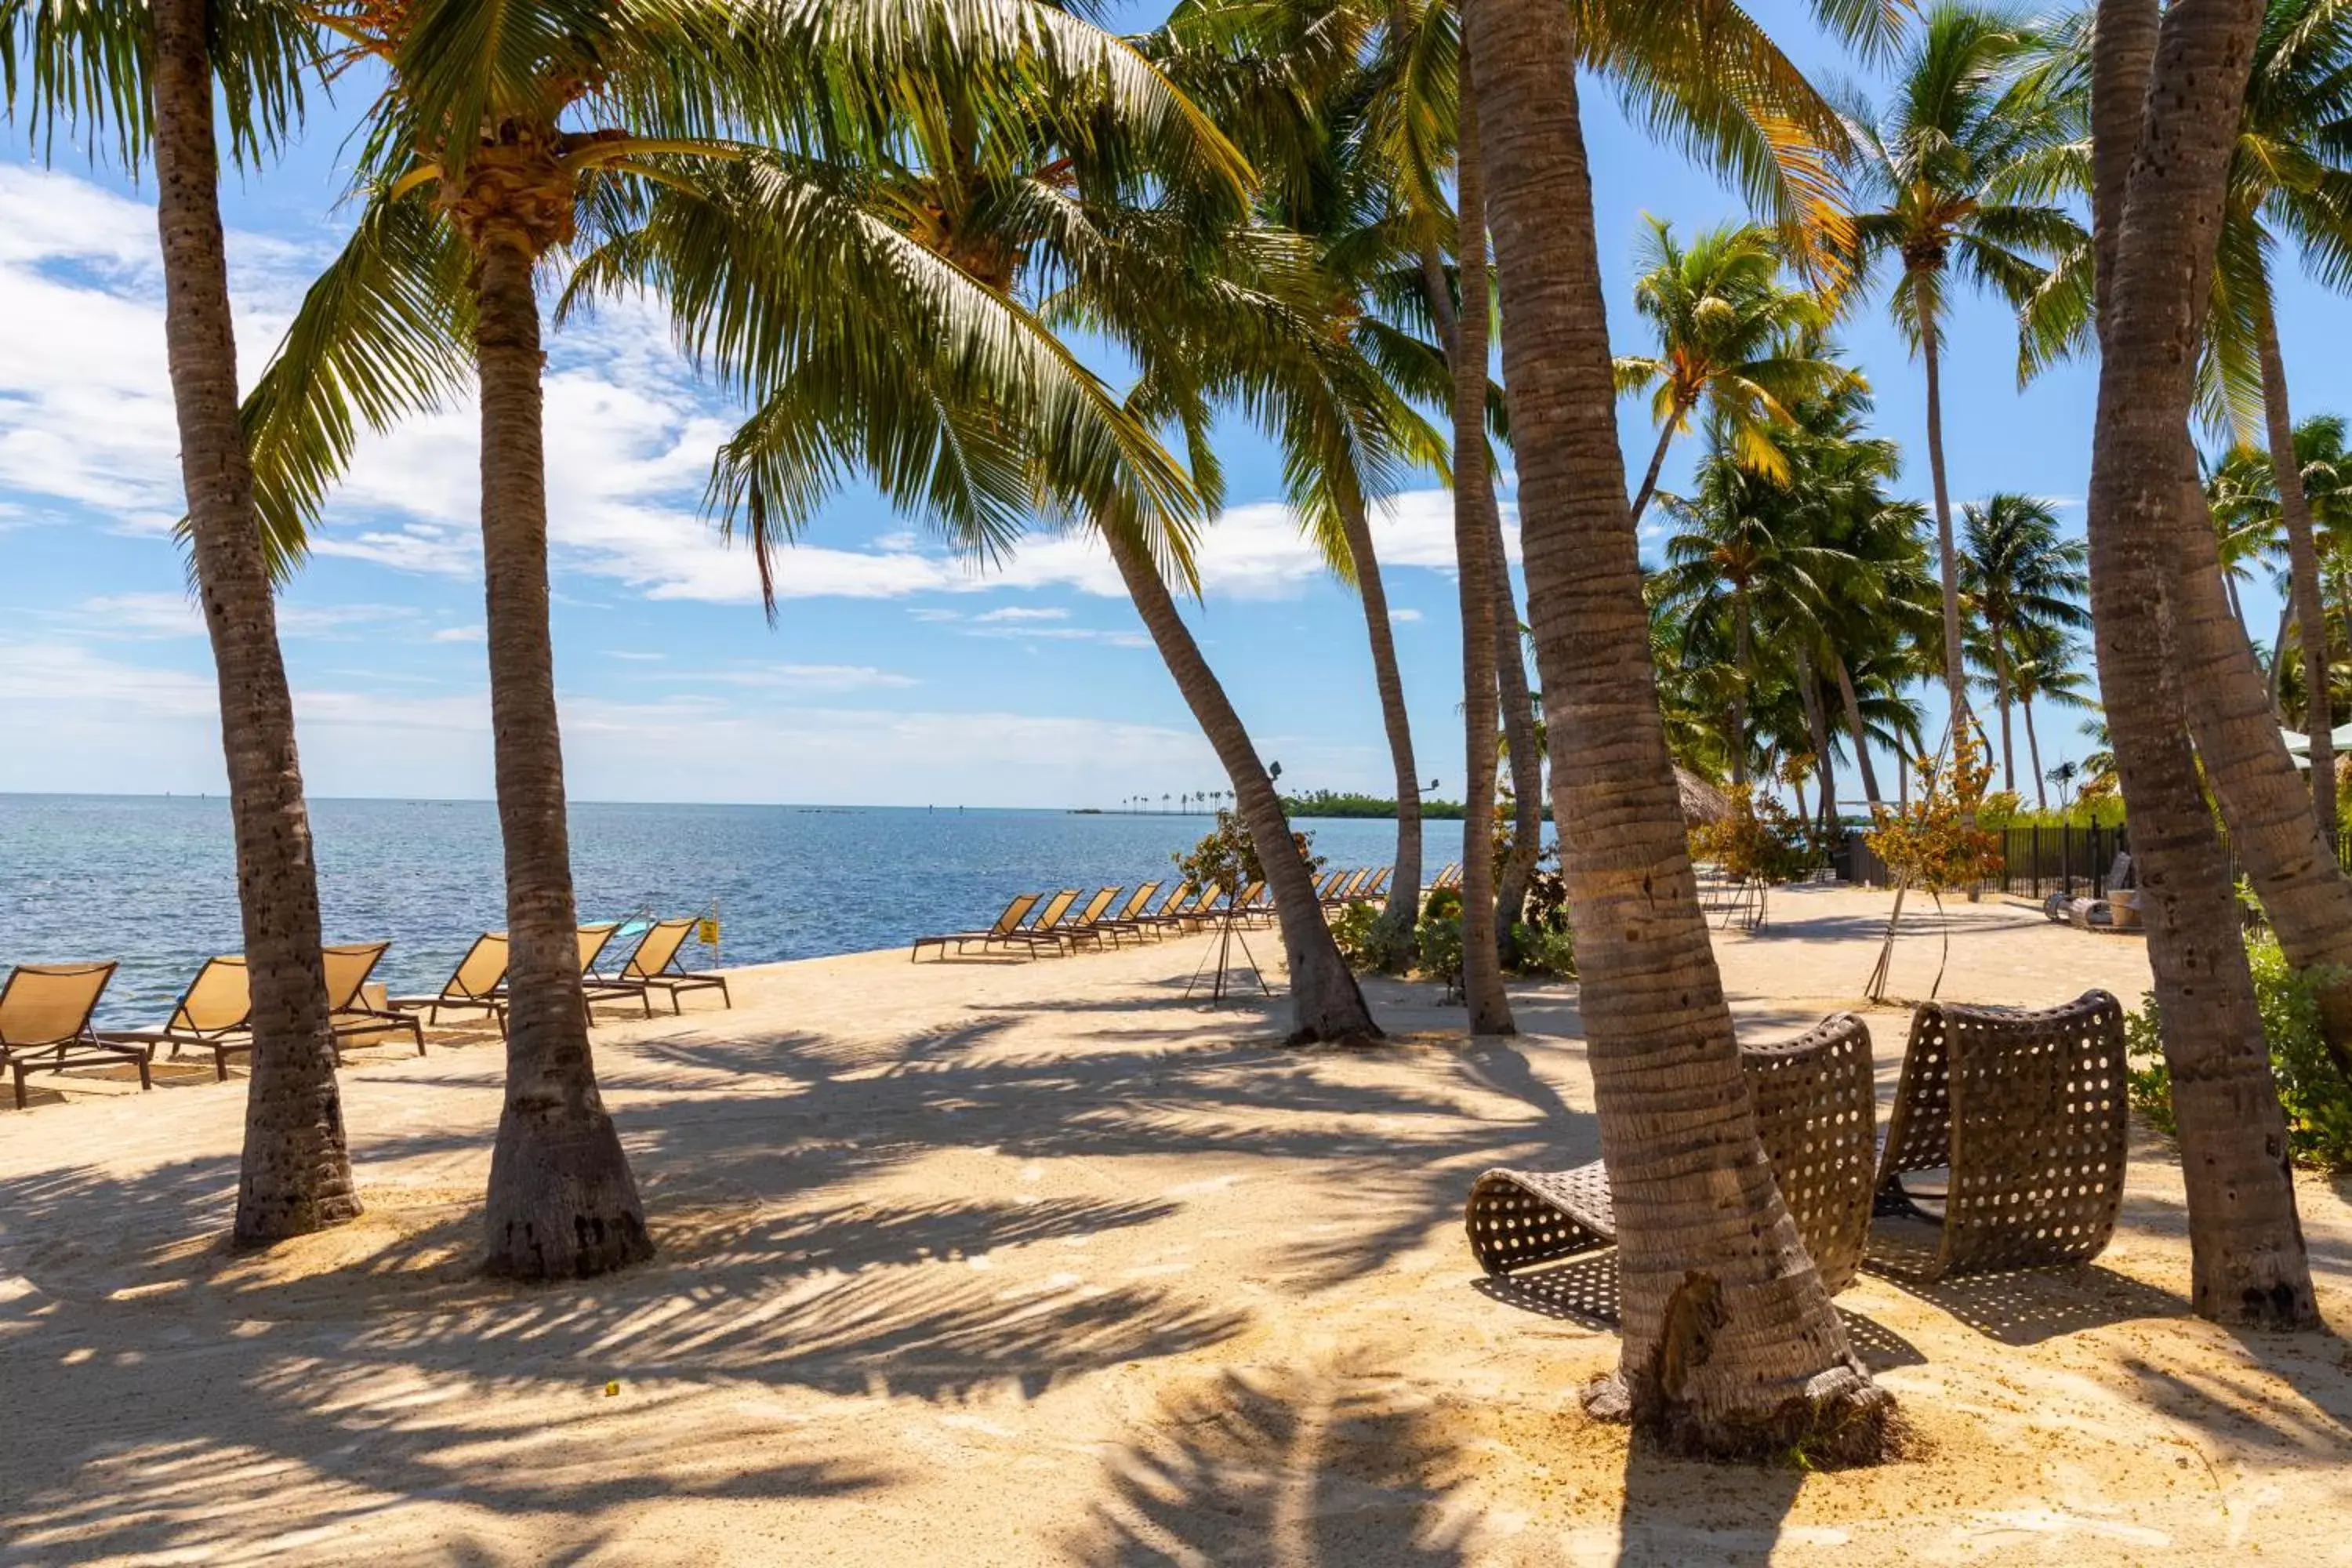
[(150, 880)]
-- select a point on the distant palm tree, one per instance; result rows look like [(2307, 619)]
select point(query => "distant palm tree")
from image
[(1730, 337), (1953, 179), (2024, 580), (2050, 669)]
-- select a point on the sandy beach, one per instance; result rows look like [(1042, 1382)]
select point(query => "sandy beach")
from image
[(1041, 1263)]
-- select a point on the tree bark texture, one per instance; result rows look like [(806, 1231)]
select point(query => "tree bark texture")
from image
[(1482, 967), (562, 1203), (1520, 738), (1650, 476), (1404, 883), (296, 1172), (1730, 1344), (2248, 1261), (1956, 669), (1326, 1003), (1859, 730), (2302, 569)]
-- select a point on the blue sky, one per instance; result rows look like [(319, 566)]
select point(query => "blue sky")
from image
[(894, 675)]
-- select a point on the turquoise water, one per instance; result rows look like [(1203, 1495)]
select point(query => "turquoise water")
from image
[(152, 881)]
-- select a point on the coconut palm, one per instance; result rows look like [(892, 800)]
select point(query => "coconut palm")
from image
[(1957, 176), (1730, 337), (144, 80), (2171, 101), (1729, 1341), (2047, 667), (2023, 581), (598, 131)]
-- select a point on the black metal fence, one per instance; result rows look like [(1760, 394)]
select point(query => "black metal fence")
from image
[(2039, 861)]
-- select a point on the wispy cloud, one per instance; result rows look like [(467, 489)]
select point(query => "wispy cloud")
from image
[(1023, 612)]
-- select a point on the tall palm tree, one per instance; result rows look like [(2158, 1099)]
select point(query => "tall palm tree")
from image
[(597, 121), (146, 82), (2023, 581), (1730, 336), (2167, 102), (1729, 1341), (1957, 175), (2048, 669)]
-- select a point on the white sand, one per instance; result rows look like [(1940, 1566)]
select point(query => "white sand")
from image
[(1037, 1263)]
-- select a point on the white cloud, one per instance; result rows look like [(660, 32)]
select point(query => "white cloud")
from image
[(462, 634), (809, 678), (1404, 616), (152, 616), (1024, 612)]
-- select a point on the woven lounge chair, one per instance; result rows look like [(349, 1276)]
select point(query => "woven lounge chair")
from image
[(2025, 1109), (45, 1013), (1814, 1109), (1003, 926), (477, 986), (654, 966)]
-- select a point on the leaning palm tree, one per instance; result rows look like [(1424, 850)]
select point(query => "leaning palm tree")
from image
[(1730, 337), (1730, 1342), (144, 79), (1957, 175), (2025, 582), (2165, 117)]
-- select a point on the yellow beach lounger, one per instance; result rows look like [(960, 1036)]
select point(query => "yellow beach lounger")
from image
[(654, 966), (215, 1013), (476, 985), (45, 1012), (1130, 917), (1000, 928), (1087, 926)]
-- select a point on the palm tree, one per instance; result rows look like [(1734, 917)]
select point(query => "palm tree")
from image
[(2024, 581), (437, 283), (1729, 1341), (1730, 337), (2047, 668), (1957, 176), (2289, 178), (2165, 114), (149, 83), (2064, 775)]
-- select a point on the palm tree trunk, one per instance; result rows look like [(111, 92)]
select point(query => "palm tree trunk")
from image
[(1817, 729), (1520, 738), (1324, 1001), (1859, 731), (1404, 881), (1649, 475), (2000, 695), (2033, 754), (1482, 968), (2302, 569), (296, 1172), (1730, 1344), (562, 1203), (2247, 1261), (1956, 673), (2278, 658), (1744, 657)]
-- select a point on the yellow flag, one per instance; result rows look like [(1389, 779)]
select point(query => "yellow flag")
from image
[(707, 930)]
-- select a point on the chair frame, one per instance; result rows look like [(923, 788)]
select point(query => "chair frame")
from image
[(85, 1046), (1815, 1107), (669, 978), (2026, 1108)]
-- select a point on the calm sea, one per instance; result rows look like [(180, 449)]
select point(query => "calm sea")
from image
[(151, 880)]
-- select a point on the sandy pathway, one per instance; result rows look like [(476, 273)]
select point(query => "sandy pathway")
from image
[(1027, 1264)]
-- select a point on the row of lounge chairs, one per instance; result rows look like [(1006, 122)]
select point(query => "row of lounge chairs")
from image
[(46, 1009), (2015, 1117), (1071, 921)]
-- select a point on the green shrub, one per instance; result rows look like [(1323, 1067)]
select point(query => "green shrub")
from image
[(1363, 941), (1545, 950), (2312, 1089), (1438, 940)]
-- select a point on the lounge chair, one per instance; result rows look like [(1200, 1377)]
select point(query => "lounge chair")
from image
[(1377, 888), (1814, 1107), (1001, 926), (1040, 933), (45, 1013), (2025, 1109), (1086, 926), (1351, 889), (1328, 885), (477, 986), (350, 1013), (654, 966), (1170, 915), (1130, 916)]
